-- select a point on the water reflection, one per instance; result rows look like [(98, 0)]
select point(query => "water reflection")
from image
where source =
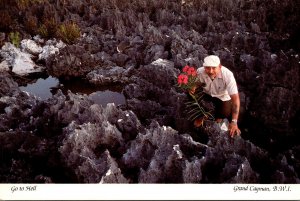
[(107, 96), (44, 88)]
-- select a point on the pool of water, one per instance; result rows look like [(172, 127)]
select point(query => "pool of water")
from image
[(42, 87), (46, 87)]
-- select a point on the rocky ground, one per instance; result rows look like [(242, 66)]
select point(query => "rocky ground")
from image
[(142, 45)]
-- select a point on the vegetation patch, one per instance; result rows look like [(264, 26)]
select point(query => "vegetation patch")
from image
[(68, 32), (15, 38)]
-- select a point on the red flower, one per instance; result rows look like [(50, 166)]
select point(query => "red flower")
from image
[(182, 79), (185, 69), (188, 78), (191, 71)]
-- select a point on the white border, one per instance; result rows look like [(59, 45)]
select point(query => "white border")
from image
[(149, 191)]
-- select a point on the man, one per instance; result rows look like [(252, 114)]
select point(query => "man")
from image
[(220, 88)]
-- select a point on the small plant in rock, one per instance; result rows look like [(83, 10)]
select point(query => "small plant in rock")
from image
[(49, 28), (52, 26), (188, 81), (43, 31), (15, 38), (68, 32)]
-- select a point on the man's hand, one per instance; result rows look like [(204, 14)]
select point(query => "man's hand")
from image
[(199, 121), (233, 129), (192, 90)]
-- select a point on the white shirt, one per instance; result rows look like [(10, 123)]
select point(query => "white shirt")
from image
[(222, 86)]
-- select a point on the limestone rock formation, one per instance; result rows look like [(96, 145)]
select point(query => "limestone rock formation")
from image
[(142, 46)]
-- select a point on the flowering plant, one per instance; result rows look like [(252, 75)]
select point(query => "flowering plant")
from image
[(188, 81), (188, 78)]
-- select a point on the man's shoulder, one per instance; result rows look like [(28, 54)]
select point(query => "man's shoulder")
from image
[(224, 68), (226, 71), (200, 70)]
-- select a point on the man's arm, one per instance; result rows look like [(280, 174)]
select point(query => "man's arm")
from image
[(233, 127), (235, 98)]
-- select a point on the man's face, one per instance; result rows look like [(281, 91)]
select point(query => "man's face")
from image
[(212, 72)]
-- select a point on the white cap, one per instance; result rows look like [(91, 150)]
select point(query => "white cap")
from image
[(211, 61)]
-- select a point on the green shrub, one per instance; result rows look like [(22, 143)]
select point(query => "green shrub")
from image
[(68, 32), (51, 25), (49, 28), (43, 31), (15, 38)]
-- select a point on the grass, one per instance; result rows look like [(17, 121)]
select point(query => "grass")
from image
[(68, 32), (15, 38)]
